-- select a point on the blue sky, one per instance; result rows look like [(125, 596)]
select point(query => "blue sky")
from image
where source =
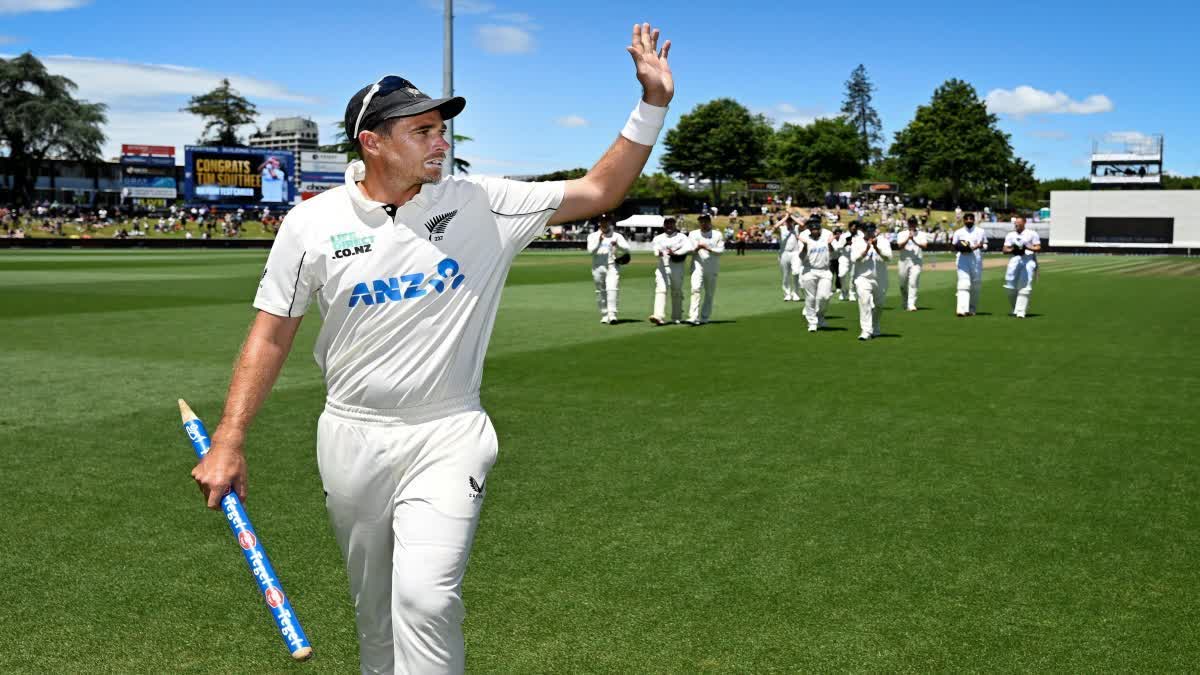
[(549, 84)]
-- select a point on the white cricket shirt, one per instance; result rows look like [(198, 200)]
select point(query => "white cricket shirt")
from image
[(816, 253), (874, 264), (1026, 238), (715, 242), (974, 236), (407, 295), (907, 243), (671, 244), (606, 250)]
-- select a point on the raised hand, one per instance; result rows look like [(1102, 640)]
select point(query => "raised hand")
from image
[(653, 71)]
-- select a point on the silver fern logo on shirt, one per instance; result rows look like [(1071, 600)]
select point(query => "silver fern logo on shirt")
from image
[(437, 225)]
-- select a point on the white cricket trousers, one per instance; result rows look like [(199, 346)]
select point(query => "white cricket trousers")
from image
[(608, 288), (818, 289), (870, 304), (668, 275), (970, 280), (910, 281), (704, 282), (789, 280), (1018, 281), (404, 490), (846, 274)]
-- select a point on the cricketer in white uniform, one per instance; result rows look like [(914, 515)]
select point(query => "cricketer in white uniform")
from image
[(1023, 245), (787, 252), (816, 279), (970, 242), (707, 246), (670, 248), (870, 254), (407, 270), (606, 246), (841, 245), (912, 243)]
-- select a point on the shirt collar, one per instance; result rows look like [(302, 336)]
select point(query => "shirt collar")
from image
[(356, 172)]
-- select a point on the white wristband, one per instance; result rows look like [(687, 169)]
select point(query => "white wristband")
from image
[(644, 123)]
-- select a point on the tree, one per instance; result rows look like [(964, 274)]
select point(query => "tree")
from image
[(659, 186), (719, 140), (224, 110), (40, 119), (565, 174), (955, 139), (823, 153), (858, 110)]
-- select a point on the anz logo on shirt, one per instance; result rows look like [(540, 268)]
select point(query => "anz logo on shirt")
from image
[(407, 286)]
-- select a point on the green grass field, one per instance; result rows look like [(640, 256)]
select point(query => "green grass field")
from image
[(970, 494)]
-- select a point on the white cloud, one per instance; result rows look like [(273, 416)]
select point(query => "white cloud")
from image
[(1050, 134), (25, 6), (144, 99), (104, 80), (1025, 100), (150, 128), (463, 6), (786, 113), (571, 121), (505, 39)]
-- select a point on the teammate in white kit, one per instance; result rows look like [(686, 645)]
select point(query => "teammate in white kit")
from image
[(670, 248), (870, 254), (1023, 245), (841, 245), (607, 247), (912, 243), (788, 244), (407, 269), (707, 246), (969, 241), (815, 277)]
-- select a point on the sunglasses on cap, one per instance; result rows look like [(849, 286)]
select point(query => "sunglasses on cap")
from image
[(386, 85)]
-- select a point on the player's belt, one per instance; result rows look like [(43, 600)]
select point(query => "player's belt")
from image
[(426, 412)]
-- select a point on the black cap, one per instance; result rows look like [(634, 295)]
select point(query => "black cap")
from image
[(912, 220), (969, 216), (704, 216), (395, 97), (605, 217), (814, 221)]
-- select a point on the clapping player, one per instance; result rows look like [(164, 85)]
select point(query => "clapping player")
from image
[(1023, 245), (608, 248), (670, 248)]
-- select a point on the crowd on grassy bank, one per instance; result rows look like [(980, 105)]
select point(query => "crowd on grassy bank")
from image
[(52, 219), (749, 224)]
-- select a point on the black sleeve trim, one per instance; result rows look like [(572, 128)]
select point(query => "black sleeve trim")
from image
[(296, 286), (530, 213)]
